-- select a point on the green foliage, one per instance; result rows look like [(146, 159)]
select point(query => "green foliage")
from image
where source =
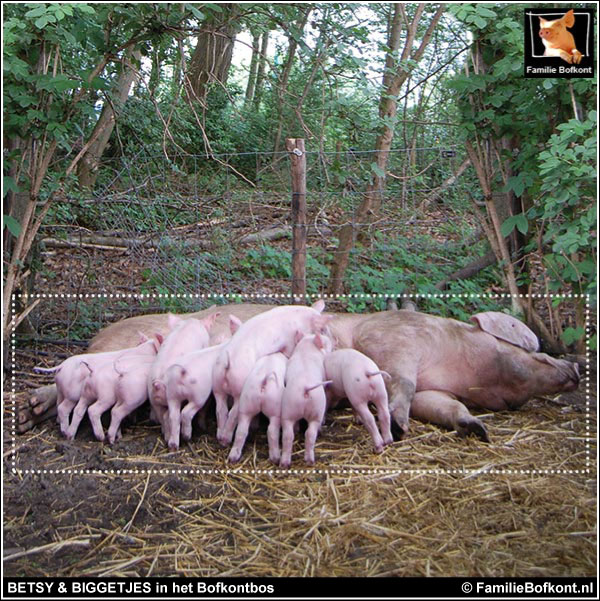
[(12, 225), (268, 262), (553, 163), (567, 189), (398, 267)]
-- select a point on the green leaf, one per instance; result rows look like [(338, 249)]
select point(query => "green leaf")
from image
[(522, 223), (37, 12), (84, 8), (548, 83), (508, 226), (485, 12), (481, 23), (571, 335), (199, 15), (9, 184), (519, 221), (377, 170), (62, 83), (98, 83), (41, 22), (13, 226)]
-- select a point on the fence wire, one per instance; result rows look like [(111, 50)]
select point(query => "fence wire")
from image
[(222, 224)]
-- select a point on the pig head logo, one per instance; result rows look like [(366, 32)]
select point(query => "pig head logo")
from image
[(557, 40)]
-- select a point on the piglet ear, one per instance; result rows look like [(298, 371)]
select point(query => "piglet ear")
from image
[(298, 337), (569, 18), (319, 305), (507, 328), (318, 341), (209, 321), (143, 337), (159, 338), (320, 323), (234, 323)]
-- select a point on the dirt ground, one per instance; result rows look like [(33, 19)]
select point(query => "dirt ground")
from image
[(433, 504)]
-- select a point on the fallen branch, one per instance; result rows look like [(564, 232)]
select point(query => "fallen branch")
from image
[(272, 233), (121, 243), (469, 270)]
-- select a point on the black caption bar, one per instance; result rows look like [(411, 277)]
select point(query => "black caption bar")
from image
[(264, 588)]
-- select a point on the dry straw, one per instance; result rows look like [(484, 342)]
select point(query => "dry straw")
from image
[(446, 518)]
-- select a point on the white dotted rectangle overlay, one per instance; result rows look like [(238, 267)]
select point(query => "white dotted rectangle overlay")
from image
[(384, 471)]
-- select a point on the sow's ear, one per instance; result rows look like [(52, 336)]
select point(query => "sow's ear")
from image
[(507, 328)]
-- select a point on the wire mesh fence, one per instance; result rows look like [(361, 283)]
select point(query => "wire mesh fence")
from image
[(199, 224), (194, 224)]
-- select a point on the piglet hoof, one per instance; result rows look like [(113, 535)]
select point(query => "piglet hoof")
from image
[(224, 439), (389, 440), (233, 457), (274, 458), (285, 463), (472, 426), (173, 445), (379, 449), (309, 460)]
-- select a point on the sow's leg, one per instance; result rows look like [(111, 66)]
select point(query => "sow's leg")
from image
[(445, 410)]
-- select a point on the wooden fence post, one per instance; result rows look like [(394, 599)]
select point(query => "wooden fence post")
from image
[(295, 146)]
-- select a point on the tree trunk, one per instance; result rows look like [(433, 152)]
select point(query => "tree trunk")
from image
[(285, 76), (394, 77), (211, 59), (87, 170), (251, 86), (260, 75)]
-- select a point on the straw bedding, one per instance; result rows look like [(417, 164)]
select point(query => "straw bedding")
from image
[(433, 504)]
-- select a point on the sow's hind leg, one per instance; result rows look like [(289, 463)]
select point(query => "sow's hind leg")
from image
[(443, 409)]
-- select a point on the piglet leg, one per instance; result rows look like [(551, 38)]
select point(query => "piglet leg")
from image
[(174, 420), (240, 437), (273, 436), (287, 441), (310, 438), (383, 417), (63, 411), (187, 415), (95, 412), (368, 420), (226, 436), (78, 414), (222, 412), (120, 411)]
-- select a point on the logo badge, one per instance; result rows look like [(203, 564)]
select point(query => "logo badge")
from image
[(559, 42)]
